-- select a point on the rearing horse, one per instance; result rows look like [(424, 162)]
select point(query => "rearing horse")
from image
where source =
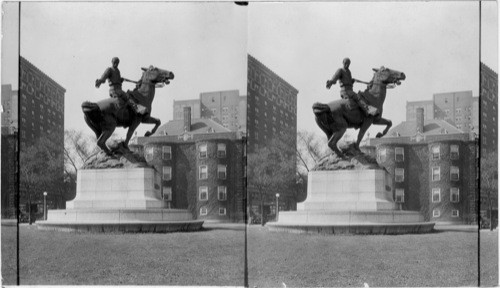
[(104, 116), (335, 117)]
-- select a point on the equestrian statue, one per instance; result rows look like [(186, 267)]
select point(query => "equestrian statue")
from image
[(356, 110), (124, 109)]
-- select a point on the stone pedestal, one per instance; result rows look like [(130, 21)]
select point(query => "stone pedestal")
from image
[(348, 190), (350, 202), (119, 200), (133, 188)]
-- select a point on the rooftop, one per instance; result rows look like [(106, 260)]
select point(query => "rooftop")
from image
[(198, 126), (431, 127)]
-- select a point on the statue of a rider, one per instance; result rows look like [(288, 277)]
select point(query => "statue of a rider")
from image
[(115, 80), (346, 83)]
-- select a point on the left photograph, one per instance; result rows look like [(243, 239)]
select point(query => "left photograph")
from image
[(130, 122)]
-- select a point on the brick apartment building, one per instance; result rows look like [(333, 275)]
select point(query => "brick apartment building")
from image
[(489, 110), (41, 112), (271, 111), (434, 168), (202, 165)]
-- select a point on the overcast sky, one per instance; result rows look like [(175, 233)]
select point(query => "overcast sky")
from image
[(205, 44), (435, 44), (73, 43)]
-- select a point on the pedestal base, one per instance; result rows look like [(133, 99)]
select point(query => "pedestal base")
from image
[(350, 202), (119, 200)]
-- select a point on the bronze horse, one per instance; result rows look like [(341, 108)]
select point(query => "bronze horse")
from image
[(335, 117), (104, 116)]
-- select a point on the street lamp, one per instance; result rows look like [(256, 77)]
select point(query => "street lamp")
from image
[(277, 206), (44, 205)]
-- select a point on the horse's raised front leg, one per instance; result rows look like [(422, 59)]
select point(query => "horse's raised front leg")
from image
[(383, 121), (362, 130), (151, 120)]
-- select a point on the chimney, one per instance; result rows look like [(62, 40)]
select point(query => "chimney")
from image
[(187, 119), (420, 120)]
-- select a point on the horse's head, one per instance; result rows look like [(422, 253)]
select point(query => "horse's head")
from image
[(156, 75), (388, 76)]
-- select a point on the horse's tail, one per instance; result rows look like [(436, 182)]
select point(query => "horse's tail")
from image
[(93, 116), (320, 108), (323, 117)]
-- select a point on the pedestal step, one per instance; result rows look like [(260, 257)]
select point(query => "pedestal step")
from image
[(348, 206), (117, 215), (327, 217)]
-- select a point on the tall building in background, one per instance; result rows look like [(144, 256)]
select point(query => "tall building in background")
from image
[(271, 112), (460, 109), (456, 109), (489, 109), (271, 105), (227, 108), (41, 104)]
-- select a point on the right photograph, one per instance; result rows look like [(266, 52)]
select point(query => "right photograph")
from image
[(372, 153)]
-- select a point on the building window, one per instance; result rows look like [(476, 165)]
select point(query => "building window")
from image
[(454, 154), (166, 152), (167, 173), (222, 193), (436, 195), (203, 193), (454, 173), (400, 195), (399, 175), (167, 193), (454, 213), (436, 213), (436, 173), (221, 171), (454, 195), (203, 211), (435, 151), (222, 211), (149, 153), (203, 151), (400, 154), (221, 150), (382, 155), (203, 172)]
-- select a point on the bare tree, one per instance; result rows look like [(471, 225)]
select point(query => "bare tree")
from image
[(310, 149), (78, 147), (489, 181)]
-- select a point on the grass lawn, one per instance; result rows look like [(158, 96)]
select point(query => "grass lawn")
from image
[(215, 256), (445, 258), (211, 257)]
